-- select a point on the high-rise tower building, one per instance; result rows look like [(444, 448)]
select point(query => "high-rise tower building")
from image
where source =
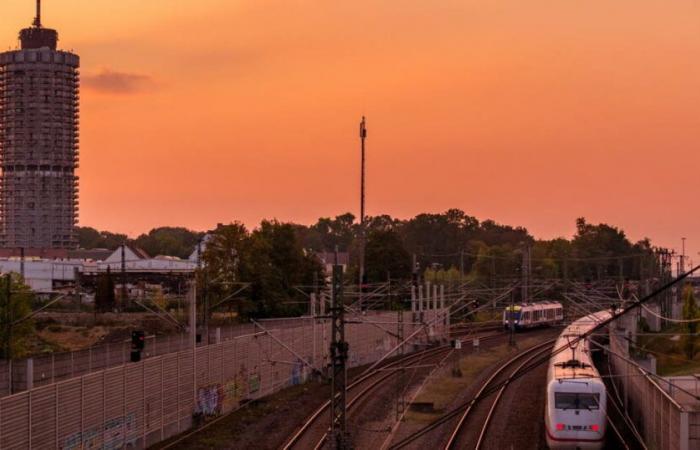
[(38, 142)]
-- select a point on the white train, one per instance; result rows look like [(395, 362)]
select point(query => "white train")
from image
[(575, 411), (529, 315)]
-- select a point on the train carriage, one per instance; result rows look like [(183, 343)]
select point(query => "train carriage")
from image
[(575, 410), (530, 315)]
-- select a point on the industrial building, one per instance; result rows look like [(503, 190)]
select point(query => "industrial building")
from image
[(39, 103)]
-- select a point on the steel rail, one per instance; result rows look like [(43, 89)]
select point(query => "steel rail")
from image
[(463, 418), (361, 395), (309, 422), (503, 388), (320, 410)]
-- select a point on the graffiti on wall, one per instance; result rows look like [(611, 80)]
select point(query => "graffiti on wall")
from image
[(209, 400), (297, 372), (119, 433)]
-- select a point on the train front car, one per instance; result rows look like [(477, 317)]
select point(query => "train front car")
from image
[(575, 411), (511, 316)]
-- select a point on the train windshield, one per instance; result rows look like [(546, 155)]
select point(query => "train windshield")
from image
[(515, 315), (576, 400)]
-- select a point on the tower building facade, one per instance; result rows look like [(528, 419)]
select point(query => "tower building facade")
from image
[(39, 115)]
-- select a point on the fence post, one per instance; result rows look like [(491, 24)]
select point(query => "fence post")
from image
[(30, 374), (684, 434), (162, 398), (30, 419), (104, 403), (55, 394)]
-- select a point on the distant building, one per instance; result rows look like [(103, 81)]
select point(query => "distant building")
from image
[(38, 142), (138, 261)]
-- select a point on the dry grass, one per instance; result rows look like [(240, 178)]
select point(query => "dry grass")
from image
[(71, 337)]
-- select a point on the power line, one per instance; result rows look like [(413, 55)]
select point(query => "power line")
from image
[(616, 315)]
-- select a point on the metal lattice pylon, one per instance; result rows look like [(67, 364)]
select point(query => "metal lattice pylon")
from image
[(339, 355)]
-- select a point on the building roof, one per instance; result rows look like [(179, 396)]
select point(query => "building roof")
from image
[(95, 254)]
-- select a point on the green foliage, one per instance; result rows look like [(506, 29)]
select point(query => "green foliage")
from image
[(90, 238), (21, 298), (386, 256), (276, 256), (171, 241), (690, 312), (105, 300), (271, 259), (448, 277)]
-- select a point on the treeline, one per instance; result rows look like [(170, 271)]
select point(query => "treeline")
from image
[(171, 241), (275, 258)]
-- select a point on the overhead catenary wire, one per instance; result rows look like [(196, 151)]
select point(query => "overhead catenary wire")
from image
[(616, 315)]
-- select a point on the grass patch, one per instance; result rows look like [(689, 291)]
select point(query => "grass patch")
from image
[(668, 351)]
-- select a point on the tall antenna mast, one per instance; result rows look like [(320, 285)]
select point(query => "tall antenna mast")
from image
[(37, 19), (363, 136)]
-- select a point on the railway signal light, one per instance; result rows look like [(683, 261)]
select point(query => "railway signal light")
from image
[(138, 340)]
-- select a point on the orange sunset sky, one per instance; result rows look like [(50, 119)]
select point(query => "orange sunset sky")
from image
[(528, 112)]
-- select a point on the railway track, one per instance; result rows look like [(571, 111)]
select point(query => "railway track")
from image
[(466, 437), (313, 432)]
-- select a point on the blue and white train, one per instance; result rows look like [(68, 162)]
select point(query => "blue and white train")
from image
[(575, 410), (530, 315)]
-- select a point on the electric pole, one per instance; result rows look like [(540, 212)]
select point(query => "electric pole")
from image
[(363, 136), (683, 257), (339, 355), (511, 325), (526, 274), (124, 291)]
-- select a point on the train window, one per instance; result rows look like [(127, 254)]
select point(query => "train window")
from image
[(576, 400)]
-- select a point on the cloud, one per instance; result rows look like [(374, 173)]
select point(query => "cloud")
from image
[(114, 82)]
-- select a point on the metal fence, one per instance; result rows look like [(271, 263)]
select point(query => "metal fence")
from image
[(135, 405), (663, 422), (21, 374)]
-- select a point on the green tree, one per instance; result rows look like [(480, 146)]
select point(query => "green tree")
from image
[(225, 250), (90, 238), (14, 332), (105, 299), (170, 241), (690, 312), (275, 264), (386, 255)]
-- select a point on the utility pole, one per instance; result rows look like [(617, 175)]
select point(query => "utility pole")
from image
[(526, 274), (401, 373), (363, 136), (21, 262), (78, 299), (511, 324), (683, 257), (339, 355), (124, 291)]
